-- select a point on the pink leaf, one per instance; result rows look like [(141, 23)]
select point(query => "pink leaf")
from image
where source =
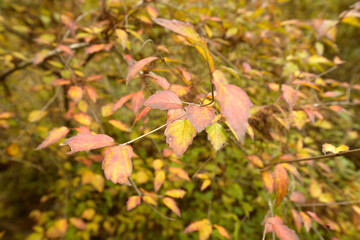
[(164, 100), (122, 101), (281, 231), (138, 66), (88, 141), (160, 80), (53, 136), (290, 95), (200, 117), (137, 101)]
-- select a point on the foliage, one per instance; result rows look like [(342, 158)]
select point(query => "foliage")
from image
[(179, 119)]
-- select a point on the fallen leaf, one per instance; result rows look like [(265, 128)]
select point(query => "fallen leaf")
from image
[(53, 136), (88, 141)]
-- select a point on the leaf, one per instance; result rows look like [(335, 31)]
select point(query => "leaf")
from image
[(138, 66), (159, 179), (78, 223), (58, 229), (98, 182), (222, 231), (150, 200), (179, 135), (82, 118), (297, 219), (122, 37), (66, 49), (36, 115), (120, 125), (326, 147), (203, 226), (75, 93), (179, 90), (53, 136), (341, 148), (164, 100), (205, 184), (216, 135), (141, 114), (290, 95), (106, 110), (122, 101), (297, 197), (200, 117), (268, 181), (235, 106), (282, 231), (160, 80), (88, 141), (306, 220), (315, 189), (13, 149), (88, 213), (41, 56), (91, 92), (175, 193), (117, 164), (255, 160), (95, 48), (137, 101), (180, 173), (133, 202), (171, 204), (281, 183), (175, 114), (293, 170), (158, 164)]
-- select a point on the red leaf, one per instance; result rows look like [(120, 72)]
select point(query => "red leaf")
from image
[(235, 106), (281, 231), (200, 117), (290, 95), (164, 100), (88, 141), (160, 80), (141, 114), (281, 183), (53, 136), (137, 101), (122, 101), (117, 164), (138, 66)]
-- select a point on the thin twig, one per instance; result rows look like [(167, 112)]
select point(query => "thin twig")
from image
[(351, 202)]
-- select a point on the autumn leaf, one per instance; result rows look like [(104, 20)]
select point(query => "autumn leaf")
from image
[(141, 114), (138, 66), (160, 80), (91, 92), (122, 101), (88, 141), (179, 135), (297, 219), (175, 193), (235, 106), (222, 231), (268, 181), (122, 37), (164, 100), (297, 197), (159, 179), (137, 101), (306, 220), (290, 95), (175, 114), (78, 223), (82, 118), (96, 48), (293, 170), (66, 49), (120, 125), (106, 110), (281, 183), (75, 93), (53, 136), (216, 135), (281, 231), (205, 184), (36, 115), (255, 160), (171, 204), (200, 117), (133, 202), (180, 173), (149, 200), (326, 147), (58, 229), (203, 226), (117, 164)]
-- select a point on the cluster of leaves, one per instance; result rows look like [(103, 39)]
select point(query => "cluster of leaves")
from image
[(249, 105)]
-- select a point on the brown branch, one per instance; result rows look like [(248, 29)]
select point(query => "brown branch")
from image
[(312, 158), (351, 202), (24, 64)]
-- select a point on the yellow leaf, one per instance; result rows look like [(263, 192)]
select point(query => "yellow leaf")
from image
[(171, 204), (120, 125), (216, 135), (132, 202), (58, 229), (179, 135), (175, 193), (36, 115), (12, 149), (205, 184)]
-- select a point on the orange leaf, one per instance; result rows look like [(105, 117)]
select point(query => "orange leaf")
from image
[(122, 101), (120, 125), (200, 117), (82, 118), (91, 92), (137, 101), (171, 204), (180, 173), (160, 80), (281, 231), (315, 217), (141, 114), (203, 226), (297, 197), (164, 100), (66, 50), (53, 136), (297, 219), (58, 229), (78, 223), (290, 95), (281, 183), (159, 179), (293, 170), (222, 231), (88, 141), (138, 66), (306, 220), (179, 90), (40, 56), (235, 106), (255, 160), (117, 164), (132, 202), (175, 193), (179, 135), (268, 181), (95, 48)]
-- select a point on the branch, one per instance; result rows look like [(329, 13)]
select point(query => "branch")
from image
[(24, 64), (351, 202), (312, 158)]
